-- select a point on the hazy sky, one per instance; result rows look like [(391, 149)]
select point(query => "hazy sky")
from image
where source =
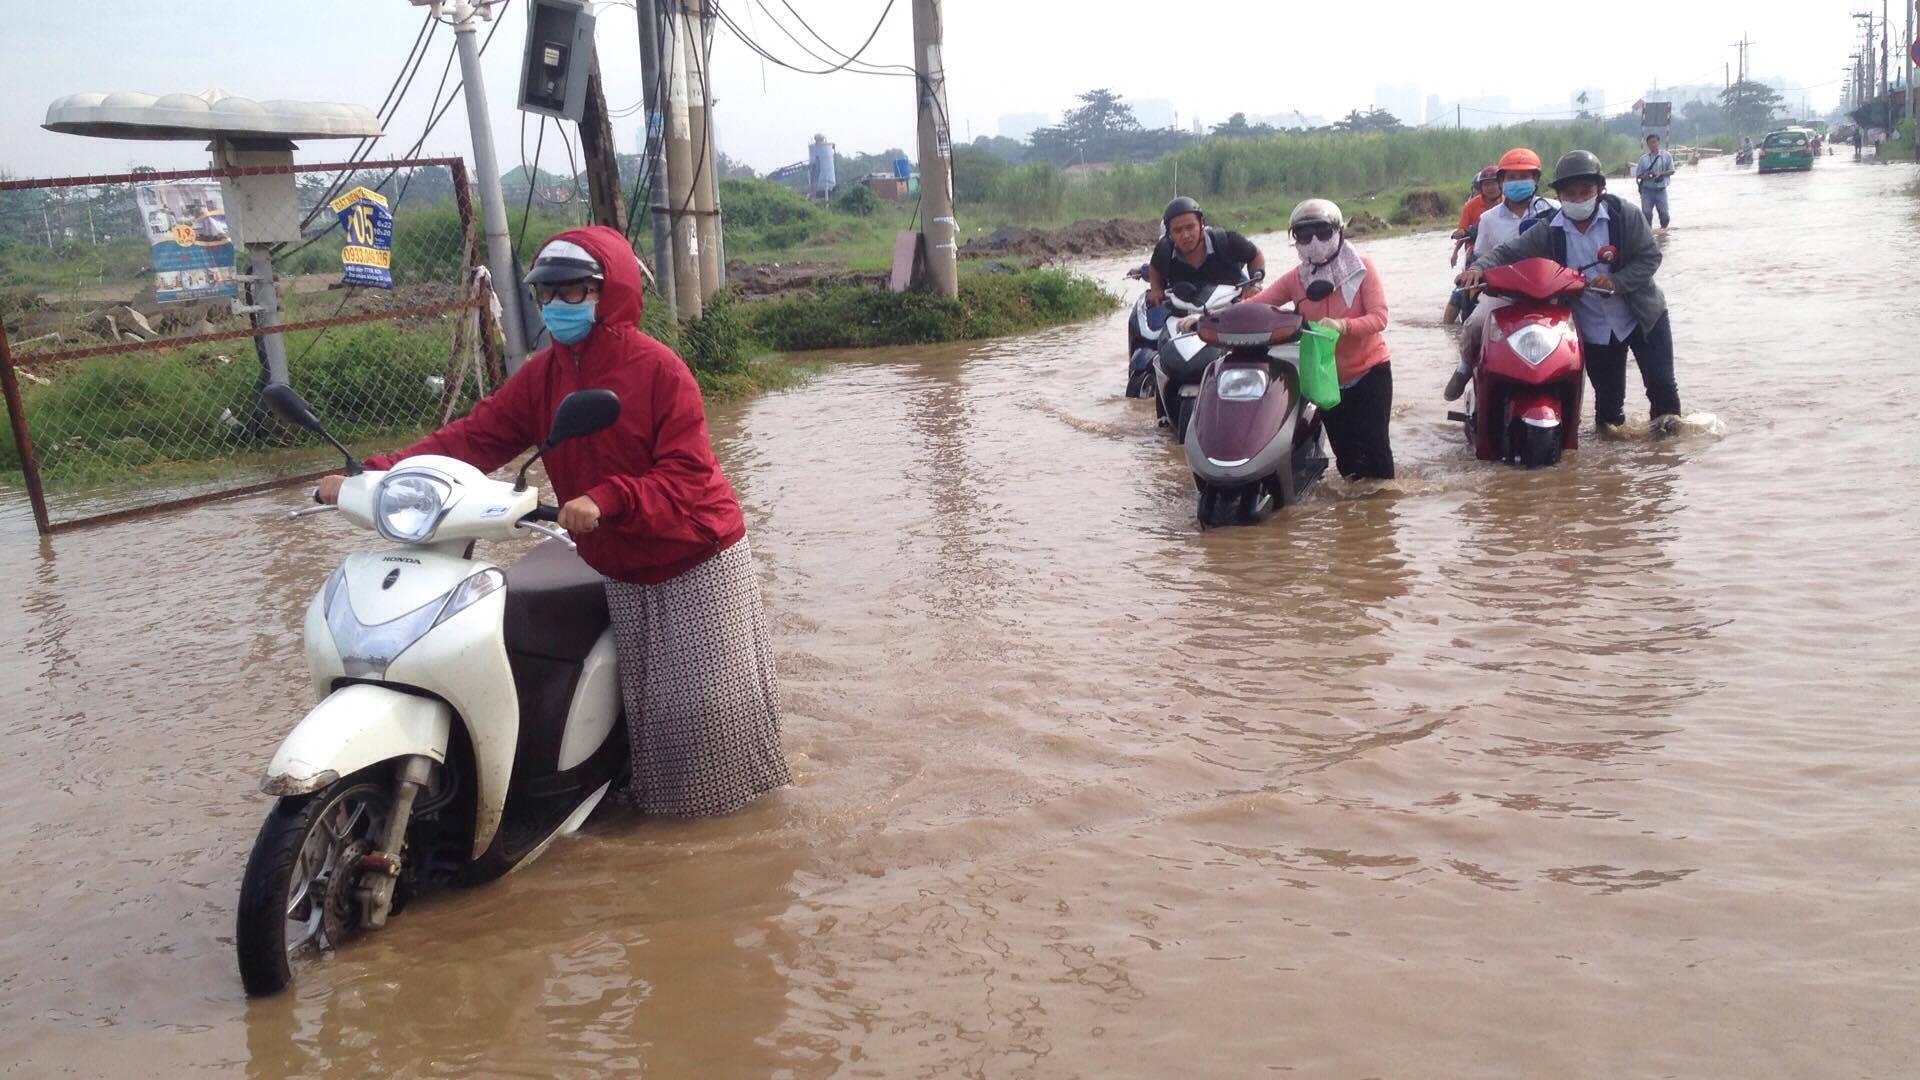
[(1003, 56)]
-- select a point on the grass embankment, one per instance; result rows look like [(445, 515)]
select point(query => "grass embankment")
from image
[(990, 305), (1246, 184)]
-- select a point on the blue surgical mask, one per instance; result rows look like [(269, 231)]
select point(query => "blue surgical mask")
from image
[(1517, 190), (568, 323)]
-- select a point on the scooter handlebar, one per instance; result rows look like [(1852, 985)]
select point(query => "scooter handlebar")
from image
[(543, 512)]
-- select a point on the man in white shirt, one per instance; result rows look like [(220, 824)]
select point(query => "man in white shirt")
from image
[(1653, 172)]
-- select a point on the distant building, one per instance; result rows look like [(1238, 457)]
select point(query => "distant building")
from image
[(1434, 112), (1153, 113), (1021, 126), (1401, 99)]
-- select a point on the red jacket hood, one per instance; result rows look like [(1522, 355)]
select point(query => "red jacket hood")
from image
[(620, 303)]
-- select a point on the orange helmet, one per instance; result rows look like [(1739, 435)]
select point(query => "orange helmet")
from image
[(1520, 159)]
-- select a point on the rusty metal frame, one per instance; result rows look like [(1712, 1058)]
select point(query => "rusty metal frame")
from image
[(11, 365)]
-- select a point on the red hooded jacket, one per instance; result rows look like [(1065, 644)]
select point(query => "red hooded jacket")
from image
[(665, 507)]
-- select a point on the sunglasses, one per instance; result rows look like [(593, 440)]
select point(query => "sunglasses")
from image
[(571, 292), (1314, 232)]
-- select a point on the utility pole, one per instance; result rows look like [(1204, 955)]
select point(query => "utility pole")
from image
[(706, 204), (939, 232), (687, 288), (1866, 56), (597, 147), (654, 151), (493, 204), (1458, 122)]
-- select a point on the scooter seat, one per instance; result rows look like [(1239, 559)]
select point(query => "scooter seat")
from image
[(556, 604)]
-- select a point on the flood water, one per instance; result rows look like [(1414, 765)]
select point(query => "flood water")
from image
[(1602, 770)]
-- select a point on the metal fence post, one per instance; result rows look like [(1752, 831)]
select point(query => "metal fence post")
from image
[(22, 442)]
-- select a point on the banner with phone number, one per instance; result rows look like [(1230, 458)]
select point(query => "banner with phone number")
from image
[(367, 258)]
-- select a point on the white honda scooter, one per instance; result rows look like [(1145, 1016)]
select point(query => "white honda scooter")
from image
[(468, 715)]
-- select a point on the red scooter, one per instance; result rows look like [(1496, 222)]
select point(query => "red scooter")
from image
[(1524, 407)]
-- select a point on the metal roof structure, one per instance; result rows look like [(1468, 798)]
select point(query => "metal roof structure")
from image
[(210, 114)]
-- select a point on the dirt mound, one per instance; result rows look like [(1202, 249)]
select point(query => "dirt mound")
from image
[(1088, 237), (1365, 224), (775, 279), (1427, 205)]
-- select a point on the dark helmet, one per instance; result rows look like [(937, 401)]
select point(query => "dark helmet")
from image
[(1181, 205), (1578, 165), (562, 261)]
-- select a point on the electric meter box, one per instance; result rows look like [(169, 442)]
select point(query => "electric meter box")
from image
[(553, 74)]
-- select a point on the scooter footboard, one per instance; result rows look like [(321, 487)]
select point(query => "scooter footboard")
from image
[(357, 726)]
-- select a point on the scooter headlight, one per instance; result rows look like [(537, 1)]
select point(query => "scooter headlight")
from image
[(1535, 342), (409, 506), (1241, 384)]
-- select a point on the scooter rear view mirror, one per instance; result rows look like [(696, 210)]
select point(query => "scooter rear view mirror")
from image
[(286, 404), (1319, 290), (582, 412)]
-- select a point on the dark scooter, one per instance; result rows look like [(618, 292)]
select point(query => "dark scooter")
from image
[(1254, 443)]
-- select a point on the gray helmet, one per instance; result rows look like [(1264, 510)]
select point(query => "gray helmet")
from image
[(1316, 212), (1182, 205), (1578, 165), (562, 261)]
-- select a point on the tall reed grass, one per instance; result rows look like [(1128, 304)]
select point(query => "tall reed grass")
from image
[(1292, 166)]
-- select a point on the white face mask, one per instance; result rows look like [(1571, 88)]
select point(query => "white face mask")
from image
[(1580, 211), (1315, 252)]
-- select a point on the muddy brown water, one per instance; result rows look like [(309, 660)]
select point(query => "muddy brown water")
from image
[(1605, 770)]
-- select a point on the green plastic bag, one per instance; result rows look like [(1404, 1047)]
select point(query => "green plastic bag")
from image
[(1319, 376)]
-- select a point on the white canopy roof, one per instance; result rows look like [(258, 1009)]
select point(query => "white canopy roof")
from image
[(208, 114)]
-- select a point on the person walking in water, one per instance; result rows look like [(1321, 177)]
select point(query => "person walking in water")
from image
[(1622, 308), (1653, 172), (652, 512)]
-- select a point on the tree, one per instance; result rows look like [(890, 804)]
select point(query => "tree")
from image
[(729, 169), (1749, 105), (1374, 119), (1101, 112), (1237, 127), (1103, 128), (1011, 151), (973, 172)]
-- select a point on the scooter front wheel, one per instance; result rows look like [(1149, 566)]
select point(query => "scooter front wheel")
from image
[(1541, 448), (299, 891)]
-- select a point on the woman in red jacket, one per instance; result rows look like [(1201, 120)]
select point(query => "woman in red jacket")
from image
[(650, 509)]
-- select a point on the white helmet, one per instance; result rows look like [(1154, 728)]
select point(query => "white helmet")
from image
[(1315, 212)]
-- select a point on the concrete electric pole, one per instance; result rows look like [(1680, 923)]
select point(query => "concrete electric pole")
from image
[(687, 287), (493, 204), (706, 202), (655, 152), (939, 232)]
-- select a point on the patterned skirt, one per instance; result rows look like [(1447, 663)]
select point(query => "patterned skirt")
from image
[(702, 698)]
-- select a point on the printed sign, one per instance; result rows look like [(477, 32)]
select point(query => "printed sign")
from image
[(187, 235), (367, 257)]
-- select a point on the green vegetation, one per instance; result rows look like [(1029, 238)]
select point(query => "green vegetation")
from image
[(990, 305)]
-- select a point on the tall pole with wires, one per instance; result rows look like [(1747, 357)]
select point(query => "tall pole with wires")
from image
[(493, 203), (687, 290), (597, 155), (706, 204), (939, 232), (654, 76)]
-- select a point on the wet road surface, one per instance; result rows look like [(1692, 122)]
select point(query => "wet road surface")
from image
[(1601, 770)]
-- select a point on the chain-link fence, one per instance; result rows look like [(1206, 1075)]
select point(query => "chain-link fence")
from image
[(140, 314)]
